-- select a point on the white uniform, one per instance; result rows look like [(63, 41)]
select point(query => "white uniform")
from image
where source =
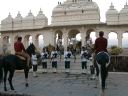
[(54, 60), (54, 55), (66, 53), (34, 59), (83, 58), (34, 63), (44, 58), (67, 59)]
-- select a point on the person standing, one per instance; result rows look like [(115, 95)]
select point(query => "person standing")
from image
[(54, 60), (44, 58), (67, 59), (34, 63), (84, 60)]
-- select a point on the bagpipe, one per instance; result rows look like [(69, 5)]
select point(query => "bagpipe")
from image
[(68, 55), (45, 56), (54, 55), (85, 55)]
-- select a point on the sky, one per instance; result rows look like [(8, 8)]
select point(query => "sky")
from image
[(24, 6)]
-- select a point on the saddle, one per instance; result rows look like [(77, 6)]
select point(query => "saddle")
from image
[(21, 57)]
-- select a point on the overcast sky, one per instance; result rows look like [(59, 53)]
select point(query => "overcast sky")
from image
[(13, 6)]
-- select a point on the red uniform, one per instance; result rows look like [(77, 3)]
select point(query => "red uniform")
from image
[(100, 44), (19, 47)]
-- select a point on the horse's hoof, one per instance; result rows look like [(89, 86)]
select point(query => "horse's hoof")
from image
[(95, 87), (5, 90), (26, 84), (12, 89)]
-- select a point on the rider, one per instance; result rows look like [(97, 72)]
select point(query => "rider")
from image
[(20, 50), (100, 43)]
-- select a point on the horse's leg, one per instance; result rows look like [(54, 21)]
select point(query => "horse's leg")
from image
[(26, 76), (103, 76), (5, 77), (97, 70), (10, 79)]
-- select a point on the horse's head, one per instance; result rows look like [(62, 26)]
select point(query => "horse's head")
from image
[(31, 49)]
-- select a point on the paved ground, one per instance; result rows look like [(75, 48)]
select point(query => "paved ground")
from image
[(61, 84)]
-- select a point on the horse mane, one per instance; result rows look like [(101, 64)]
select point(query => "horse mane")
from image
[(31, 49)]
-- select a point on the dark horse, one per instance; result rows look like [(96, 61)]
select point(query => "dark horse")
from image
[(10, 63), (103, 60)]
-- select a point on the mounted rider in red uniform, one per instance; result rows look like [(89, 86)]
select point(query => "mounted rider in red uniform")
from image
[(20, 50), (100, 43)]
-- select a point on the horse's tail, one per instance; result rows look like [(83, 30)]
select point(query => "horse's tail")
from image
[(104, 74), (1, 72), (104, 71)]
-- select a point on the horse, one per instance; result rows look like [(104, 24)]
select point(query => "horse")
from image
[(103, 61), (10, 63)]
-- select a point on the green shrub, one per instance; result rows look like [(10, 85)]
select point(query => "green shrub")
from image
[(116, 50)]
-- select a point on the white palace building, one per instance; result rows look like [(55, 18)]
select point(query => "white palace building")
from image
[(68, 19)]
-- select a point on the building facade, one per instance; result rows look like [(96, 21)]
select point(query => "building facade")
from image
[(68, 19)]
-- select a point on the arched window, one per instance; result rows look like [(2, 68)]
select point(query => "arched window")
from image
[(112, 39), (93, 37), (125, 40)]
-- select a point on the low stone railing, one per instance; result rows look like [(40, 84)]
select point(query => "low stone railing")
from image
[(119, 63), (13, 94)]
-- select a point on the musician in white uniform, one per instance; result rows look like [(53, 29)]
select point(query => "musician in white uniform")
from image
[(54, 60), (44, 58), (84, 60), (67, 59), (34, 63)]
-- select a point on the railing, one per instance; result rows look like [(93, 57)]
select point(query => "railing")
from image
[(119, 63)]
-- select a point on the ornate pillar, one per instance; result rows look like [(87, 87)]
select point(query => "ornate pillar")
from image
[(83, 37), (97, 34), (65, 37), (25, 41), (35, 41), (106, 34), (12, 44), (119, 37)]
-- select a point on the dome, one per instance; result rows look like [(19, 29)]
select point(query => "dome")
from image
[(30, 16), (41, 15), (111, 10), (90, 5), (18, 17), (59, 8), (124, 10), (82, 5), (76, 12), (41, 20), (9, 19)]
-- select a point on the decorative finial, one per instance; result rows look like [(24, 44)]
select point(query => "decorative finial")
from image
[(112, 6), (9, 14), (40, 12), (18, 14)]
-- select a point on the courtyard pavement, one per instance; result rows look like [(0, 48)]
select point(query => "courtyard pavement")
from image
[(61, 84)]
